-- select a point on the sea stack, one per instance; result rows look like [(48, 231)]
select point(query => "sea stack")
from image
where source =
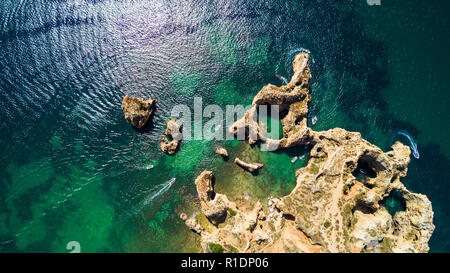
[(138, 111), (173, 129), (214, 205), (222, 152), (251, 167)]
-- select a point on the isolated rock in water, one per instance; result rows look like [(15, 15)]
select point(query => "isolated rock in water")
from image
[(251, 167), (173, 129), (331, 209), (222, 152), (183, 216), (168, 147), (137, 111), (214, 205)]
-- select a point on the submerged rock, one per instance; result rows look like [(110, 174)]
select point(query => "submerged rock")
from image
[(137, 111), (251, 167), (173, 129), (222, 152), (330, 209)]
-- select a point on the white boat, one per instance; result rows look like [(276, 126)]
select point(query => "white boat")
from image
[(149, 167), (314, 120), (294, 159)]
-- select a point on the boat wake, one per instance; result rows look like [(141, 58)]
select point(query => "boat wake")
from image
[(297, 50), (154, 192), (413, 144)]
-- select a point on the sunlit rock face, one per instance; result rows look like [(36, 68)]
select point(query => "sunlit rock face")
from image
[(138, 111), (173, 129), (222, 152), (251, 167), (338, 204), (214, 205), (292, 99)]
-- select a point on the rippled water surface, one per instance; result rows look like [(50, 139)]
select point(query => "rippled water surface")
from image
[(72, 169)]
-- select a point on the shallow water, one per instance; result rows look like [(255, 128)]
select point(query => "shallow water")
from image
[(72, 169)]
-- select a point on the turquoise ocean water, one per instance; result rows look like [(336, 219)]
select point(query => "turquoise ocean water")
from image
[(72, 169)]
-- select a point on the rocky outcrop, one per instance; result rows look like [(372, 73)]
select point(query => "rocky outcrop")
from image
[(214, 205), (222, 152), (168, 147), (192, 224), (247, 127), (251, 167), (338, 202), (292, 100), (183, 216), (173, 129), (137, 111), (343, 214), (237, 234), (413, 226)]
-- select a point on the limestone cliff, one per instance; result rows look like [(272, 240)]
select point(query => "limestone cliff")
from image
[(333, 208)]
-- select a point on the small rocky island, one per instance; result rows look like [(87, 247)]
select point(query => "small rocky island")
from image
[(222, 152), (251, 167), (329, 210), (138, 111), (173, 130)]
